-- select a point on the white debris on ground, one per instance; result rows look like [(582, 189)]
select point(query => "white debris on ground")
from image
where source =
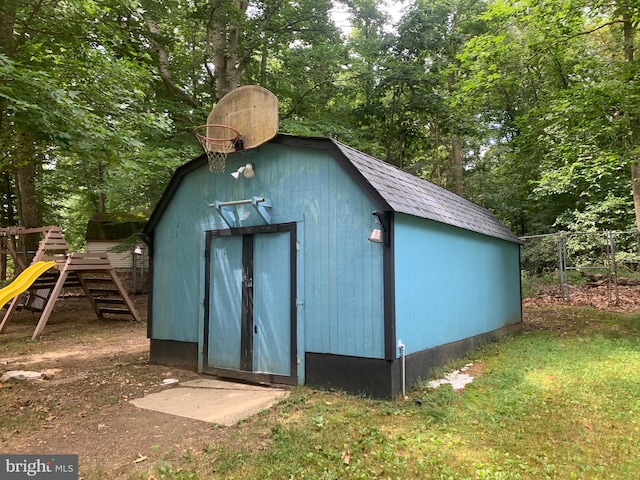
[(458, 378), (23, 375)]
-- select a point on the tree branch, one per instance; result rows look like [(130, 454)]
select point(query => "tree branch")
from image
[(21, 36), (301, 97), (163, 64), (576, 35)]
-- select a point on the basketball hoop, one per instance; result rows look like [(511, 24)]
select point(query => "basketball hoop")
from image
[(218, 141)]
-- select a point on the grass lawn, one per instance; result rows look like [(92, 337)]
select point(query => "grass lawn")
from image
[(560, 401)]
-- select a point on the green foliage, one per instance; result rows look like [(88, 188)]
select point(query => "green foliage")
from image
[(530, 109), (533, 284), (165, 471), (539, 256), (81, 95), (612, 213), (551, 79)]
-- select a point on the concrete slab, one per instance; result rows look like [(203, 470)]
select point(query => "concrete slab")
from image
[(225, 385), (213, 401)]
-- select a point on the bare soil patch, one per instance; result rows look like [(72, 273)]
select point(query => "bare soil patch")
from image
[(100, 365)]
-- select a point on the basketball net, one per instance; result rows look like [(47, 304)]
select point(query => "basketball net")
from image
[(217, 149)]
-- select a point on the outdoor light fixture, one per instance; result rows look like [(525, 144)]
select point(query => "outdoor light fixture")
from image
[(377, 235), (246, 171), (137, 250)]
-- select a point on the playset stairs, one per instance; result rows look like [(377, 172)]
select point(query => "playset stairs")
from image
[(92, 272)]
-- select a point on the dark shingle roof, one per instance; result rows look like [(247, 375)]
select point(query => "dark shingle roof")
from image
[(401, 191), (406, 193)]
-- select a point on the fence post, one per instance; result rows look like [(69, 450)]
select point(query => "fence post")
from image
[(614, 266), (562, 265)]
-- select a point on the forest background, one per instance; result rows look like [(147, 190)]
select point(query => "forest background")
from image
[(530, 108)]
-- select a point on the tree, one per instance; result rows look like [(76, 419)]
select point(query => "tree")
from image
[(73, 100), (554, 81), (428, 131)]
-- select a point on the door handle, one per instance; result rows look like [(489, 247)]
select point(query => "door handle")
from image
[(255, 329)]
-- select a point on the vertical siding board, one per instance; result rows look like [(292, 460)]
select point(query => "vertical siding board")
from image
[(342, 281), (225, 308), (272, 338), (452, 284), (177, 293), (331, 252)]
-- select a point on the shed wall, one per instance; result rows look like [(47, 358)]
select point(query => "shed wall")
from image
[(119, 260), (340, 304), (452, 284)]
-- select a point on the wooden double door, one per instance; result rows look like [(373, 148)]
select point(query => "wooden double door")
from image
[(250, 314)]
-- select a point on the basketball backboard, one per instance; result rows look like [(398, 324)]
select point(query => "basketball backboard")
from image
[(251, 110)]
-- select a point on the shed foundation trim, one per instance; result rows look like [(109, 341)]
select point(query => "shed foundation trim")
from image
[(173, 353), (383, 378), (354, 375)]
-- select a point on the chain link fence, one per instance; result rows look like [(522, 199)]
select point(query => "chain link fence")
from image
[(566, 258)]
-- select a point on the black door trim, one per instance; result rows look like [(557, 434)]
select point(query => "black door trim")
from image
[(246, 363), (246, 334)]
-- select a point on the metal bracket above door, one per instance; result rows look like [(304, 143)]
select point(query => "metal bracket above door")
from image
[(229, 212)]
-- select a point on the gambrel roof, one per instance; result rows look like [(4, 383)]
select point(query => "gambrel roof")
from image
[(392, 188), (403, 192), (406, 193)]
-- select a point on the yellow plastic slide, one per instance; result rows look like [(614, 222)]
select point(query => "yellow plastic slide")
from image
[(24, 281)]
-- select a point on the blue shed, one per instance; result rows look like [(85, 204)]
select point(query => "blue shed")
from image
[(273, 279)]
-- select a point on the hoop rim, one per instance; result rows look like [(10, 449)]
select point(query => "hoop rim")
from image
[(218, 139)]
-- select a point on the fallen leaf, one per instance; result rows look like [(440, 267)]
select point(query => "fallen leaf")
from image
[(345, 457)]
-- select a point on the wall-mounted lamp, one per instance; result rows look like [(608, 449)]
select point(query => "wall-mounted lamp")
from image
[(376, 236), (246, 171), (380, 235)]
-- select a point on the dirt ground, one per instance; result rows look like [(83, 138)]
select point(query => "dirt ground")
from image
[(98, 366), (597, 295)]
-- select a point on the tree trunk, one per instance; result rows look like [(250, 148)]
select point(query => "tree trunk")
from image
[(164, 68), (457, 156), (634, 121), (28, 213), (102, 198), (436, 139), (223, 32), (635, 183), (458, 164), (7, 220), (8, 10), (263, 66)]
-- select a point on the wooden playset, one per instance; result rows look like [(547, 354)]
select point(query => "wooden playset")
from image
[(91, 272)]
